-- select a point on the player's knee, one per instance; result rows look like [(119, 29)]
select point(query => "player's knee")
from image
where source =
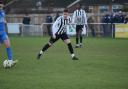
[(81, 34), (77, 34), (67, 41), (7, 44)]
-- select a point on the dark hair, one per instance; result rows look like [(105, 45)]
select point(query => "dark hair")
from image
[(65, 10), (79, 4)]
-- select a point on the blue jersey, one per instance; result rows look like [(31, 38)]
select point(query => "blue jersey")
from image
[(2, 21)]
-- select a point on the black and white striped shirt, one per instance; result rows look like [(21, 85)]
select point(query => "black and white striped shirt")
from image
[(79, 17), (60, 25)]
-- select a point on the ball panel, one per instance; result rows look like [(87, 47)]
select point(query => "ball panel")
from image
[(6, 64)]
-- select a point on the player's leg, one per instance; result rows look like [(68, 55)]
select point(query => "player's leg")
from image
[(6, 41), (77, 36), (46, 46), (81, 36), (0, 40), (0, 43), (8, 49), (66, 39)]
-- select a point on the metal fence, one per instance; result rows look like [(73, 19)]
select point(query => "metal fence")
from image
[(92, 29), (31, 30)]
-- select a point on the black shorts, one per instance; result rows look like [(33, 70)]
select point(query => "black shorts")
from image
[(79, 28), (63, 37)]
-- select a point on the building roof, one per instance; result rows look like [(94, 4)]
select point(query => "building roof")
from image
[(19, 5)]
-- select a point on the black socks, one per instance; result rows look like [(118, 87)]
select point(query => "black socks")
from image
[(81, 39), (45, 47), (70, 48)]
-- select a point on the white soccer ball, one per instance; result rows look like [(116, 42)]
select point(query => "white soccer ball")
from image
[(7, 64)]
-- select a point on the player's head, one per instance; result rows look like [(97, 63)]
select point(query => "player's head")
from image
[(65, 13), (78, 6), (1, 4)]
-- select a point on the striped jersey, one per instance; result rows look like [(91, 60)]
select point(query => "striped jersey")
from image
[(79, 17), (60, 25)]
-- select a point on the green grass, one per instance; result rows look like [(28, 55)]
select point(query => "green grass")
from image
[(103, 64)]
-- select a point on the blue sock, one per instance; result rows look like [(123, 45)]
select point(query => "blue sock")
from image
[(9, 53)]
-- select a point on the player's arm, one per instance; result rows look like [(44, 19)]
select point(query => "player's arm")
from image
[(73, 17), (85, 17), (85, 21), (55, 27), (70, 22), (6, 26)]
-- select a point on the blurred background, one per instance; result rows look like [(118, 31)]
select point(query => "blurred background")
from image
[(35, 17)]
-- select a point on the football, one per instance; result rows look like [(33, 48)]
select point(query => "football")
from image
[(6, 64)]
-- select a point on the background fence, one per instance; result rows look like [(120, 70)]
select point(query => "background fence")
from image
[(92, 29)]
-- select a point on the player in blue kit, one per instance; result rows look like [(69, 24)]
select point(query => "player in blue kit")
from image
[(3, 36)]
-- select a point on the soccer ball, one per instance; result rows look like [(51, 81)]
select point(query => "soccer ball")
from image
[(7, 64)]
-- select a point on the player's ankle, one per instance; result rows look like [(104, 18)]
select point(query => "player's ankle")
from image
[(10, 61)]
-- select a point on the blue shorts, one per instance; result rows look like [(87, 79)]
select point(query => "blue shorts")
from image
[(3, 37)]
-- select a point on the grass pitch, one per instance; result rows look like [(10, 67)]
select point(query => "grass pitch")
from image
[(103, 64)]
